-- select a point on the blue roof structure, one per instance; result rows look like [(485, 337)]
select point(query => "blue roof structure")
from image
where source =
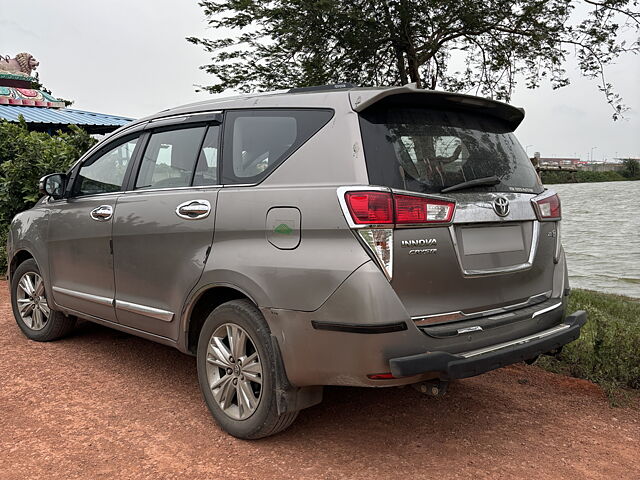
[(50, 117)]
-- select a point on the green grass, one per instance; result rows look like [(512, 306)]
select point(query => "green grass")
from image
[(608, 350)]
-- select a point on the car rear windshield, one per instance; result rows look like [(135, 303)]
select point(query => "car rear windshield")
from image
[(426, 150)]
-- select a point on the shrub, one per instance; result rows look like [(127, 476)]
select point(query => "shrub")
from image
[(608, 350), (26, 156), (582, 176), (631, 168)]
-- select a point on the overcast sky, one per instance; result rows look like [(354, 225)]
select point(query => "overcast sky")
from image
[(131, 58)]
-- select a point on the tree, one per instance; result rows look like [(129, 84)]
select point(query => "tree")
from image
[(631, 168), (25, 157), (285, 43)]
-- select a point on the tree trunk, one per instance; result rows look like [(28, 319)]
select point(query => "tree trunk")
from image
[(402, 68), (414, 72), (406, 31), (397, 47)]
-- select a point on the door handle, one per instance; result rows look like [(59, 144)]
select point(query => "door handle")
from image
[(194, 209), (102, 213)]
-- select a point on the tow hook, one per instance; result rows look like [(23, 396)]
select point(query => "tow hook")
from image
[(432, 388), (556, 352)]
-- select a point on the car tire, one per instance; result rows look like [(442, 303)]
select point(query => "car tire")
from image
[(231, 388), (31, 309)]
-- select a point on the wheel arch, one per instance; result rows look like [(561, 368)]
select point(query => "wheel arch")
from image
[(18, 258), (204, 301)]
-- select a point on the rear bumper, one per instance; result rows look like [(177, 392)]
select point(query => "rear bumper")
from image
[(448, 366)]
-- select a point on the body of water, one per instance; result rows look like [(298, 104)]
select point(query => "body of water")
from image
[(601, 235)]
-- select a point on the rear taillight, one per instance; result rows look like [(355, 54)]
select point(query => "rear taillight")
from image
[(414, 210), (547, 206), (384, 208), (367, 208), (374, 214)]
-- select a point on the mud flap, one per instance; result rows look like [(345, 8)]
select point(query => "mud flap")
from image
[(288, 397)]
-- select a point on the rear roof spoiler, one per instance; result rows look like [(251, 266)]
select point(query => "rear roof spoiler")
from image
[(411, 96)]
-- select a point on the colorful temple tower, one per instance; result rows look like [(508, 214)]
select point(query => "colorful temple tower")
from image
[(20, 96)]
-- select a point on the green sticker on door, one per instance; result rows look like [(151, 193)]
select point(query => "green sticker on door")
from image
[(283, 229)]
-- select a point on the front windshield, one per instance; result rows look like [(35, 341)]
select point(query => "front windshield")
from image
[(426, 151)]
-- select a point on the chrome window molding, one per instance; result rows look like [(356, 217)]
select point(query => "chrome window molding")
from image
[(460, 315), (84, 296), (90, 196), (169, 189), (535, 238), (185, 115), (152, 312)]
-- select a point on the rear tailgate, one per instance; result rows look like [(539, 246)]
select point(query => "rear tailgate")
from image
[(479, 262), (494, 252)]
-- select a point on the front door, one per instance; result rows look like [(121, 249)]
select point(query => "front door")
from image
[(80, 260), (163, 227)]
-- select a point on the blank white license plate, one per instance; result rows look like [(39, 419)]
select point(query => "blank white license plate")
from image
[(476, 241)]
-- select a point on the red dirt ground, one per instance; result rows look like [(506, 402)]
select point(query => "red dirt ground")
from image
[(102, 404)]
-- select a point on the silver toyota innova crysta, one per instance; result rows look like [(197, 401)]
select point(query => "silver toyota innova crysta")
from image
[(323, 236)]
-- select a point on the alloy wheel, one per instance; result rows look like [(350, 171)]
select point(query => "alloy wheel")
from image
[(32, 301), (234, 371)]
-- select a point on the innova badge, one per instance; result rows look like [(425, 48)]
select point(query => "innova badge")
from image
[(501, 206)]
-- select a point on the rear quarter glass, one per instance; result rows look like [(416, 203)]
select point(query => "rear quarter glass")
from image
[(257, 141), (426, 150)]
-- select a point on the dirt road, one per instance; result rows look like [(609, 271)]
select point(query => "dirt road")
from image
[(102, 404)]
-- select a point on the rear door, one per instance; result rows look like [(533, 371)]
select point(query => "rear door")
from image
[(493, 252), (163, 226)]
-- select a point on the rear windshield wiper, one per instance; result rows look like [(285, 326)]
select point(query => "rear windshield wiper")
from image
[(476, 182)]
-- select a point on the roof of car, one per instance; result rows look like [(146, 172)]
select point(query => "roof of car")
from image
[(349, 97)]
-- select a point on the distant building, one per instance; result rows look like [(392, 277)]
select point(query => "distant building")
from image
[(21, 97), (604, 167), (560, 161)]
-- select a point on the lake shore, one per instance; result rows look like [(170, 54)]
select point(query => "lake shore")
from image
[(608, 350), (552, 177)]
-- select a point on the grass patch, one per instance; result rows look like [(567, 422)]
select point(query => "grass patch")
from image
[(608, 350)]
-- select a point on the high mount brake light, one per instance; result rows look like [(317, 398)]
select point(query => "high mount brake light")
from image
[(548, 208), (385, 208)]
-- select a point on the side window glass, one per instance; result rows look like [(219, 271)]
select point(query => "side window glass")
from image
[(257, 141), (170, 158), (207, 167), (105, 173)]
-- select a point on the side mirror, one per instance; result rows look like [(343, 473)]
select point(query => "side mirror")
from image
[(53, 185)]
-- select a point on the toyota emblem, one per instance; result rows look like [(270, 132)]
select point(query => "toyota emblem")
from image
[(501, 206)]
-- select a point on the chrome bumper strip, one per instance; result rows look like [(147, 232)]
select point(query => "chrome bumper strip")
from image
[(518, 341), (460, 315), (545, 310)]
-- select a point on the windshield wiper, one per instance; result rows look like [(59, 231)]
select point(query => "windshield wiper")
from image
[(476, 182)]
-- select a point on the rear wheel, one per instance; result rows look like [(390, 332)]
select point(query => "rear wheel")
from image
[(31, 309), (236, 371)]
